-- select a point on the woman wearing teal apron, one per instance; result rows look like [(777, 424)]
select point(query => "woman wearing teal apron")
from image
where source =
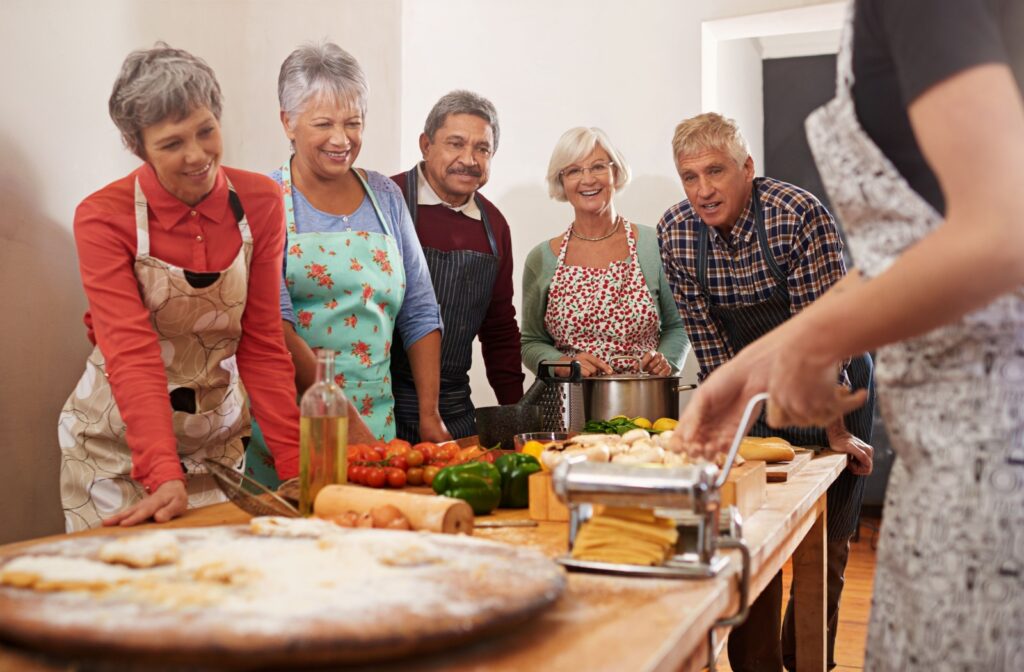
[(354, 270)]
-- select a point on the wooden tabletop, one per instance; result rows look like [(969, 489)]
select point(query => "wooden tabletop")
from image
[(602, 622)]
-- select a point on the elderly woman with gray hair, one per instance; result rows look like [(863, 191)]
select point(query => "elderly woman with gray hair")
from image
[(597, 293), (181, 262), (354, 268)]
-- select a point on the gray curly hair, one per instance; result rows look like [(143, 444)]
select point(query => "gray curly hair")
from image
[(157, 84)]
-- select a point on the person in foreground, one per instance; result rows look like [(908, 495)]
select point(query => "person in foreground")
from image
[(468, 248), (597, 292), (743, 255), (181, 265), (920, 152), (354, 269)]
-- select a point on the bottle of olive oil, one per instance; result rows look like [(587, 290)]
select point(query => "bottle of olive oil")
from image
[(323, 433)]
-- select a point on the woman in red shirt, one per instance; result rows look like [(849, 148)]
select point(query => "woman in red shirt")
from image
[(181, 265)]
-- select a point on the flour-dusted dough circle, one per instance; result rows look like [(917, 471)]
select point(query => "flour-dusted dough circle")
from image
[(312, 593)]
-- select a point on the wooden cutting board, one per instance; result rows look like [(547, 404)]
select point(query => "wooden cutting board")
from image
[(351, 596), (780, 472)]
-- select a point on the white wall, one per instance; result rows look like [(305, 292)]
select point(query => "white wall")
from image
[(631, 68), (57, 145)]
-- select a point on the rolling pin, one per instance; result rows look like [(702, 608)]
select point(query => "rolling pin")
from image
[(424, 512)]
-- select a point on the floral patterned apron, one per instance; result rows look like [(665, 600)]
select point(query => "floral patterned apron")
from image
[(607, 312), (198, 321), (949, 584), (347, 288)]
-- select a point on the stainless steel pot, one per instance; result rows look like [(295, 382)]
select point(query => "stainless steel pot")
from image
[(632, 395)]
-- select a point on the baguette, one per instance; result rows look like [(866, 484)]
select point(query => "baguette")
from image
[(768, 449)]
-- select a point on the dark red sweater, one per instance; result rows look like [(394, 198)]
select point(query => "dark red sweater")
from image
[(444, 229)]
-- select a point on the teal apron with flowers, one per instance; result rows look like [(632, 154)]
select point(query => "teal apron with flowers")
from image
[(346, 288)]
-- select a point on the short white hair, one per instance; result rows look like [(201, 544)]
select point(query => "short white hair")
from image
[(574, 146)]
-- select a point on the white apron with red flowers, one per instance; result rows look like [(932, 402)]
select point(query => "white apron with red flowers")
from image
[(607, 312)]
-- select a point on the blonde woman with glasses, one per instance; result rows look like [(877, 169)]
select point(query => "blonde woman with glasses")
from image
[(597, 292)]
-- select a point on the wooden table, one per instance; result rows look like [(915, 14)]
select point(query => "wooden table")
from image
[(615, 624)]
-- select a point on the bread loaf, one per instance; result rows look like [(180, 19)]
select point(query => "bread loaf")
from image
[(768, 449)]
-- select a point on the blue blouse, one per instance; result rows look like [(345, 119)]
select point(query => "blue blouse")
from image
[(419, 314)]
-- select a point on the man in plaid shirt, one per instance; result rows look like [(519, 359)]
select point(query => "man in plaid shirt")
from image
[(742, 255)]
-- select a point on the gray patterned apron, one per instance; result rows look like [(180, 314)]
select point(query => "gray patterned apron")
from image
[(949, 583), (197, 318), (463, 283)]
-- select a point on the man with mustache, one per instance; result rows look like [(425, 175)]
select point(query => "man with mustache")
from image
[(743, 254), (468, 248)]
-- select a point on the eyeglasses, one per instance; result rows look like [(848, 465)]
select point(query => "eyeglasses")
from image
[(598, 169)]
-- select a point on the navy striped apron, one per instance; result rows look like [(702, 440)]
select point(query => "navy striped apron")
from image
[(742, 325), (463, 283)]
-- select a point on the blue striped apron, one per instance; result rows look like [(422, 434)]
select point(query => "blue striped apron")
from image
[(463, 282), (742, 325)]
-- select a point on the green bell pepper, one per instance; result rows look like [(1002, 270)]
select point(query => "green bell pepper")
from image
[(515, 470), (478, 483)]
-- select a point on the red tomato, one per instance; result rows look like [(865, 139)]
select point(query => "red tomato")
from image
[(378, 453), (429, 473), (445, 452), (414, 458), (427, 448), (375, 477), (397, 447), (399, 462), (352, 471), (396, 477), (488, 457), (357, 473), (414, 476)]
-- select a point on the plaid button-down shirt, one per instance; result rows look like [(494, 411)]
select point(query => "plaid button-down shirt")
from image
[(802, 236)]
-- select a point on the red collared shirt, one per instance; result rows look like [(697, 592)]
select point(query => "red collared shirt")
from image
[(203, 238)]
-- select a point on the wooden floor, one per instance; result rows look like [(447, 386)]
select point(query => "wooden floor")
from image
[(856, 601)]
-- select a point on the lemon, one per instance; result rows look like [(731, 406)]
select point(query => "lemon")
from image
[(664, 424), (534, 448), (641, 422)]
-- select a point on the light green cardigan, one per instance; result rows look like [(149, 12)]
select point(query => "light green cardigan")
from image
[(540, 268)]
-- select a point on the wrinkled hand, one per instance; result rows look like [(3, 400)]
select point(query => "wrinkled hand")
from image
[(656, 364), (709, 421), (432, 428), (169, 500), (802, 391), (861, 455), (589, 365)]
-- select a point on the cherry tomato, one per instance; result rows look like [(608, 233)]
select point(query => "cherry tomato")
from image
[(399, 462), (488, 456), (396, 477), (414, 458), (427, 448), (414, 476), (445, 452), (357, 451), (352, 471), (357, 473), (397, 447), (375, 477), (429, 473)]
